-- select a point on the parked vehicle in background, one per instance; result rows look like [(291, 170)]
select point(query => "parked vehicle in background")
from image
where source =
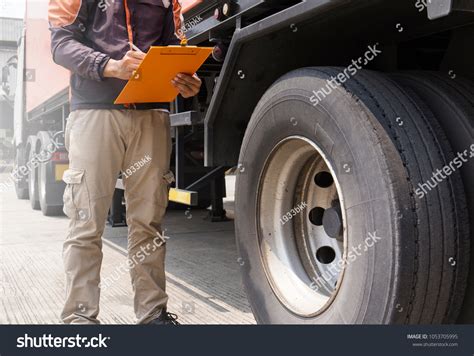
[(10, 30), (352, 119)]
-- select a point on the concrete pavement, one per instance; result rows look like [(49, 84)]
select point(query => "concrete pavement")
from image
[(202, 270)]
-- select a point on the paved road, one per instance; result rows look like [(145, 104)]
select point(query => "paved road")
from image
[(202, 270)]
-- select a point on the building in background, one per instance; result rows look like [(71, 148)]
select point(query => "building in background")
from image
[(10, 33)]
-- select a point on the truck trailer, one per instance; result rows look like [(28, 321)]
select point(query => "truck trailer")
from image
[(349, 125)]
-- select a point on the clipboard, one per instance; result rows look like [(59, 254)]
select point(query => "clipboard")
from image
[(152, 80)]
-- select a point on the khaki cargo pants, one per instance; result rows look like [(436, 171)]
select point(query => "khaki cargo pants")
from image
[(102, 143)]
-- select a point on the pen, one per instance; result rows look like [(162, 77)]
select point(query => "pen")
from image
[(135, 48)]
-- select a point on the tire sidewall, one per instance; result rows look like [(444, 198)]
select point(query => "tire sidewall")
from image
[(33, 181)]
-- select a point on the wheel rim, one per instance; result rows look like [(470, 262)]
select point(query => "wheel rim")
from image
[(41, 184), (31, 183), (303, 255), (41, 176)]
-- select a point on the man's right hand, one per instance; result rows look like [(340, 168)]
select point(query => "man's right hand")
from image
[(124, 68)]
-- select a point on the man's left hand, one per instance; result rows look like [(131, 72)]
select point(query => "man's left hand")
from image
[(188, 85)]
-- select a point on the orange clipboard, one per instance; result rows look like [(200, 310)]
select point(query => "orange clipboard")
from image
[(152, 80)]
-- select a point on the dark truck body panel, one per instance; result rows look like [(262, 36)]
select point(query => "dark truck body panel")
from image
[(318, 32)]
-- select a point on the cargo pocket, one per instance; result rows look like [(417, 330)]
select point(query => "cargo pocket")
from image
[(76, 195)]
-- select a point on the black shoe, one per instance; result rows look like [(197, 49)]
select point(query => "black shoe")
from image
[(165, 318)]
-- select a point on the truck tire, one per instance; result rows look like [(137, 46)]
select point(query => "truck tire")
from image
[(452, 102), (21, 184), (33, 174), (46, 190), (331, 225)]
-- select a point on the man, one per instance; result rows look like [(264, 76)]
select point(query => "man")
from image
[(94, 40)]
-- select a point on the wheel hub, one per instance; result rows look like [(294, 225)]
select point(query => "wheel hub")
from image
[(332, 222), (302, 254)]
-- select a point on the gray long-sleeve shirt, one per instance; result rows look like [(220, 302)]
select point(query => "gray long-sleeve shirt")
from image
[(86, 34)]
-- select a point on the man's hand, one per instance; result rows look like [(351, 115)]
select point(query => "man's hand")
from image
[(188, 85), (124, 68)]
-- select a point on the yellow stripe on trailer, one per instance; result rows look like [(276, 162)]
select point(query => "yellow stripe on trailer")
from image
[(185, 197), (59, 170)]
